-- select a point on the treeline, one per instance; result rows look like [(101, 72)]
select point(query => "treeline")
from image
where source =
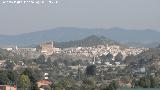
[(146, 82), (26, 80)]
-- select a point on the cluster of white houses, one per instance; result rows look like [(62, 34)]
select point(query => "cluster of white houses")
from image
[(49, 49)]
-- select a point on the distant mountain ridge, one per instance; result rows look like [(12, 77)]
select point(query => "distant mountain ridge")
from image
[(64, 34)]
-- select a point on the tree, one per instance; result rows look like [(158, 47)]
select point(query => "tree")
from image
[(91, 70), (12, 76), (24, 82), (63, 84), (125, 79), (109, 56), (7, 77), (59, 86), (154, 82), (145, 82), (88, 84), (112, 86), (32, 76), (9, 64), (119, 57), (103, 58), (67, 84), (73, 87), (1, 57), (40, 60), (135, 83), (3, 78)]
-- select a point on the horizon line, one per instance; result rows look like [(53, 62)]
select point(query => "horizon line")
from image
[(89, 28)]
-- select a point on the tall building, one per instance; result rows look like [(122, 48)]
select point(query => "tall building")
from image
[(47, 48)]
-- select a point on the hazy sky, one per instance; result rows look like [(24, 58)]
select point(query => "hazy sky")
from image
[(134, 14)]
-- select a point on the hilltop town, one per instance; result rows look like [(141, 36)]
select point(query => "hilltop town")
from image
[(52, 62), (102, 62)]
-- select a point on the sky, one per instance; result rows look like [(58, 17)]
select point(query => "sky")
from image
[(132, 14)]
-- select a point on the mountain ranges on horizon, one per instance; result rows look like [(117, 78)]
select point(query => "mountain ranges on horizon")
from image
[(148, 38)]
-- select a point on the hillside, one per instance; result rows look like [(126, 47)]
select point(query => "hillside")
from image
[(146, 55), (92, 40), (7, 55), (149, 59)]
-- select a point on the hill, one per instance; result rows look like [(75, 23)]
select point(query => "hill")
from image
[(90, 41), (70, 34)]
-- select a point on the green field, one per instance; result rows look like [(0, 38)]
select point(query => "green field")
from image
[(141, 89)]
